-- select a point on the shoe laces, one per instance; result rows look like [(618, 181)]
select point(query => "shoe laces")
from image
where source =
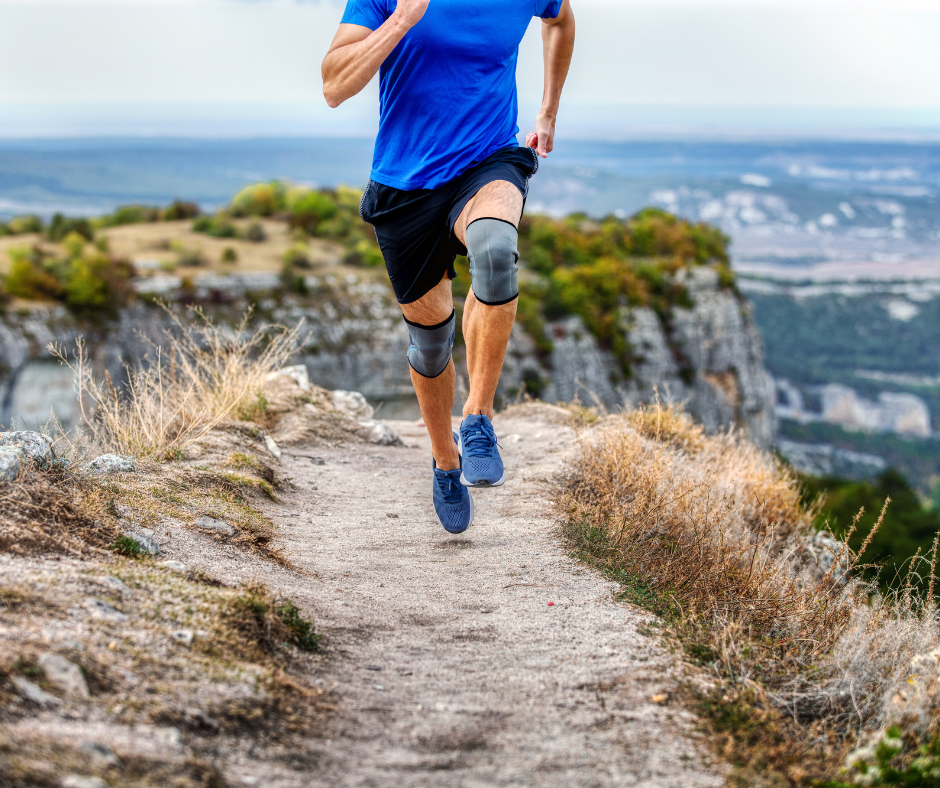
[(478, 440), (451, 489)]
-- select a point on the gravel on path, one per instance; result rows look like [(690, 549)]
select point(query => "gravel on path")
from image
[(486, 659)]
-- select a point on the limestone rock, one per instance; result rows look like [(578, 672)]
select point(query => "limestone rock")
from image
[(380, 433), (175, 566), (211, 524), (11, 463), (353, 404), (34, 445), (82, 781), (33, 693), (272, 447), (147, 544), (111, 463), (103, 610), (297, 373), (65, 675), (184, 636)]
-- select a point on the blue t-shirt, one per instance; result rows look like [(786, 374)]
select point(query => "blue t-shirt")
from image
[(448, 90)]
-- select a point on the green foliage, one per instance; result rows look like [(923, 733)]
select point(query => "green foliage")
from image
[(33, 276), (255, 233), (187, 256), (20, 225), (364, 253), (311, 210), (887, 763), (218, 226), (229, 255), (297, 257), (178, 210), (907, 526), (126, 546), (301, 632), (260, 199), (60, 226), (131, 214)]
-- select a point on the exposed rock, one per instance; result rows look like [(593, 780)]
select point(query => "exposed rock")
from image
[(211, 524), (111, 463), (65, 675), (175, 566), (353, 404), (11, 463), (81, 781), (103, 610), (298, 373), (272, 447), (821, 459), (184, 636), (34, 445), (380, 433), (148, 545), (117, 585), (33, 693), (101, 753)]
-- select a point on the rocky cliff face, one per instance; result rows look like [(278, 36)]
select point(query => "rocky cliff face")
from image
[(708, 357)]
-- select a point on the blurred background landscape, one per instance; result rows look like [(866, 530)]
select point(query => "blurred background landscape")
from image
[(808, 133)]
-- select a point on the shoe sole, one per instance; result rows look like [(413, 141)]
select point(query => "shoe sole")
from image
[(483, 482), (457, 533)]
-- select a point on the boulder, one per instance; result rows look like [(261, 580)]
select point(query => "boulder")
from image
[(271, 445), (34, 445), (65, 675), (33, 693), (297, 373), (11, 463), (111, 463), (353, 404), (211, 524), (147, 544), (380, 433)]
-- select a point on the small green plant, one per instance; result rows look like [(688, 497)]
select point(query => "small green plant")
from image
[(255, 233), (886, 763), (178, 210), (188, 257), (60, 226), (301, 632), (126, 546), (229, 255), (297, 257), (260, 199), (219, 226), (131, 214)]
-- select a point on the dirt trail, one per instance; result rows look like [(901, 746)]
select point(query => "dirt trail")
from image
[(450, 665)]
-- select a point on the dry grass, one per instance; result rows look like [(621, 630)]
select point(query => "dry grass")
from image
[(203, 376), (709, 531)]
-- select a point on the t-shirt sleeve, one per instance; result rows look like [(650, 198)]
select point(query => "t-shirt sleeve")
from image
[(368, 13), (546, 9)]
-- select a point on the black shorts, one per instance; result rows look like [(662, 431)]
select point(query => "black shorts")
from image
[(415, 229)]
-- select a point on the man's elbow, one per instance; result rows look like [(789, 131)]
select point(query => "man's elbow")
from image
[(333, 98)]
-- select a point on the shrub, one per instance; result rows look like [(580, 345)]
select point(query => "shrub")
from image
[(255, 232), (178, 210), (260, 199), (126, 546), (364, 253), (33, 276), (187, 256), (311, 210), (21, 225), (74, 245), (229, 255), (97, 286), (131, 214), (60, 226), (218, 226), (297, 257)]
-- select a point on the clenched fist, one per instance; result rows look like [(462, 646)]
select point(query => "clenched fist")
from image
[(411, 11)]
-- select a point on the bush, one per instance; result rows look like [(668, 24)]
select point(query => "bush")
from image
[(60, 226), (21, 225), (131, 214), (260, 199), (255, 232), (229, 255), (97, 286), (33, 276), (218, 226), (187, 256), (178, 210), (365, 254), (297, 257), (311, 210), (74, 245)]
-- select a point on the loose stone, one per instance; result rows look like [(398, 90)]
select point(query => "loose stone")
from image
[(175, 566), (34, 694), (103, 610), (211, 524), (147, 544), (111, 463), (11, 463), (65, 675)]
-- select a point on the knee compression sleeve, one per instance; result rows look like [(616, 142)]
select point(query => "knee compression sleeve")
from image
[(431, 346), (492, 248)]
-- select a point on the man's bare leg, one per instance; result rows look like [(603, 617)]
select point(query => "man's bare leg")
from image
[(486, 328), (436, 395)]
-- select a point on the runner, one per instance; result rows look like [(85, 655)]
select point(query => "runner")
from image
[(449, 178)]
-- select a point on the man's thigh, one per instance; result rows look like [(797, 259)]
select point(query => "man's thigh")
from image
[(433, 307), (496, 200)]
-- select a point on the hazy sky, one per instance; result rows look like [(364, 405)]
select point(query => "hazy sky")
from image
[(242, 65)]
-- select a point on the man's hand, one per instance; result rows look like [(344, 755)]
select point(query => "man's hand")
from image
[(543, 138), (410, 12)]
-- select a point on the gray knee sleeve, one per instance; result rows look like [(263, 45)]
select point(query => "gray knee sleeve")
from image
[(431, 346), (492, 248)]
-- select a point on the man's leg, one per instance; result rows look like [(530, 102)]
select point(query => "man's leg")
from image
[(486, 328), (436, 395)]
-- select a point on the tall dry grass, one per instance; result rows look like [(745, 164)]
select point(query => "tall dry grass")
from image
[(711, 531), (200, 377)]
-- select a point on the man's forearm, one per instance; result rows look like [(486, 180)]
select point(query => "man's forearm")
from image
[(348, 69), (557, 48)]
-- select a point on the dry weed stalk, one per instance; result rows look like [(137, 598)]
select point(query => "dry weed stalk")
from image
[(212, 374), (714, 528)]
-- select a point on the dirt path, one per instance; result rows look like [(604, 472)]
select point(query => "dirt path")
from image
[(450, 665)]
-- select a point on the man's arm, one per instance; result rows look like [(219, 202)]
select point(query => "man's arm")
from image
[(557, 47), (357, 52)]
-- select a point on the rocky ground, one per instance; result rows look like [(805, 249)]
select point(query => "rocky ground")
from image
[(487, 659)]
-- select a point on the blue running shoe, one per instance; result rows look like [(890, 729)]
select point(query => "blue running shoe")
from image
[(452, 500), (479, 457)]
